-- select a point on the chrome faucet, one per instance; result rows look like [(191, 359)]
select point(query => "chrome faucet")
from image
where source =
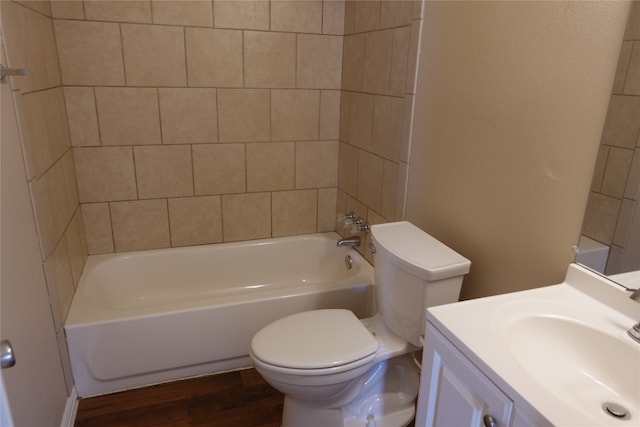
[(634, 332), (349, 241)]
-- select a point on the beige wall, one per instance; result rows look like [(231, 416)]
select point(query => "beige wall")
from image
[(30, 44), (378, 82), (510, 106), (615, 189), (201, 122)]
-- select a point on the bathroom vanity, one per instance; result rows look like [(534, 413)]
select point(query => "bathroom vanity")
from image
[(557, 355)]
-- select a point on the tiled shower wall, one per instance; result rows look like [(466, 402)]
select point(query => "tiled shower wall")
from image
[(202, 121), (615, 190), (378, 82), (30, 44)]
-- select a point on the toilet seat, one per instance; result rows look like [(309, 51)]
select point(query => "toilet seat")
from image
[(315, 343)]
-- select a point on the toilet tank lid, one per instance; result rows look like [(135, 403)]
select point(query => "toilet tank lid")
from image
[(417, 252)]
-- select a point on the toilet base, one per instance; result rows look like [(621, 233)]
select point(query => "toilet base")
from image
[(387, 399)]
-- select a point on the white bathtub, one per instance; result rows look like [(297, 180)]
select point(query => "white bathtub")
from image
[(145, 317)]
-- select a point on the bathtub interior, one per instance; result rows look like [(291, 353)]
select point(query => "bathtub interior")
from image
[(116, 347)]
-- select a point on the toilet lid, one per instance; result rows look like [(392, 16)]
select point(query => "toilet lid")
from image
[(314, 340)]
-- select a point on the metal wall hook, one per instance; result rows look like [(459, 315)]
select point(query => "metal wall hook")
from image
[(4, 71)]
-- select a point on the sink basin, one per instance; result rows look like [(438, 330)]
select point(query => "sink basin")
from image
[(583, 366)]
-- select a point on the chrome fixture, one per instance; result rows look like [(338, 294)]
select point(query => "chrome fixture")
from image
[(349, 241), (352, 223), (4, 72), (7, 356), (634, 332)]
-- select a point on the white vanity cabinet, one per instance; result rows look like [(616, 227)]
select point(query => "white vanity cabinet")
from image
[(454, 392)]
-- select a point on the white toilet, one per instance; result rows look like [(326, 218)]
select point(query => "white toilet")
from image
[(336, 370)]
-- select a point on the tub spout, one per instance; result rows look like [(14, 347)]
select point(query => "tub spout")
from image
[(349, 241)]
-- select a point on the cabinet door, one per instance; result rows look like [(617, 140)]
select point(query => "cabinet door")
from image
[(454, 392)]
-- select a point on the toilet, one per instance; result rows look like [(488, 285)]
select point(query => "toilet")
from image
[(336, 370)]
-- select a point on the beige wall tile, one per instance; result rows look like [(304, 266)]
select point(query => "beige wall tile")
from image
[(399, 59), (327, 199), (244, 14), (243, 115), (403, 171), (188, 115), (412, 60), (128, 116), (59, 282), (68, 168), (345, 115), (219, 168), (105, 173), (367, 15), (56, 121), (154, 55), (417, 9), (633, 26), (118, 10), (163, 171), (377, 61), (317, 164), (319, 61), (330, 114), (600, 217), (97, 224), (270, 166), (623, 225), (90, 53), (361, 120), (214, 57), (387, 127), (67, 9), (295, 115), (389, 190), (77, 245), (333, 17), (246, 216), (349, 17), (269, 59), (294, 212), (296, 16), (195, 220), (395, 13), (36, 53), (41, 6), (348, 169), (617, 171), (601, 164), (622, 125), (37, 150), (632, 81), (370, 174), (353, 62), (198, 13), (82, 116), (632, 190), (407, 123), (140, 225), (623, 65)]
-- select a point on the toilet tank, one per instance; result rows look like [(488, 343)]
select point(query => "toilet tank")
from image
[(413, 271)]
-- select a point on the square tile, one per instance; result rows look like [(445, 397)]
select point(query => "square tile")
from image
[(333, 17), (389, 190), (269, 59), (214, 57), (219, 168), (67, 9), (632, 81), (327, 201), (353, 62), (370, 175), (59, 282), (295, 115), (294, 212), (154, 55), (244, 115), (90, 53), (163, 171), (622, 126), (330, 114), (319, 62), (195, 220), (246, 216), (270, 166), (77, 245), (387, 127), (188, 115), (348, 169), (82, 116), (317, 164), (399, 60), (128, 116), (378, 47), (361, 120), (395, 13), (140, 225), (97, 224), (105, 173), (296, 16), (367, 15), (241, 14), (118, 10), (197, 13)]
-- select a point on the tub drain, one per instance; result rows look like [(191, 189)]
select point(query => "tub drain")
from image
[(615, 410)]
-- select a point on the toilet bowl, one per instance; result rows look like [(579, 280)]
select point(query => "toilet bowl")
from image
[(337, 370)]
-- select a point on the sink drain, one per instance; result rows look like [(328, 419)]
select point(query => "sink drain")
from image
[(616, 411)]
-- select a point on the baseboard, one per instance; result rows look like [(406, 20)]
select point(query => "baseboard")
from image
[(70, 410)]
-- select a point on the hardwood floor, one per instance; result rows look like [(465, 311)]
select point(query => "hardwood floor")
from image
[(238, 399), (232, 399)]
